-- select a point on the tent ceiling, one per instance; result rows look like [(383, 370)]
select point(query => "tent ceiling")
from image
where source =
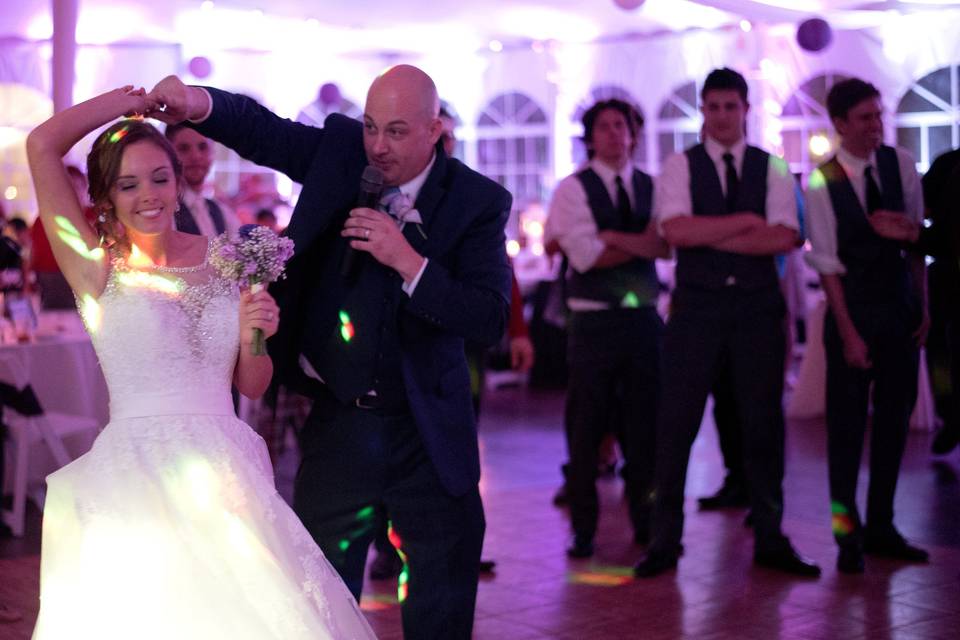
[(474, 22)]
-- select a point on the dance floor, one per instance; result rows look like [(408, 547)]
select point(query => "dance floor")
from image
[(537, 593)]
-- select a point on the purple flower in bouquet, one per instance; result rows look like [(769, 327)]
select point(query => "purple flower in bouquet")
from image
[(254, 258)]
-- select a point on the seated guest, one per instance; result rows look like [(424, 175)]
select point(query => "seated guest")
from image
[(728, 208), (876, 318)]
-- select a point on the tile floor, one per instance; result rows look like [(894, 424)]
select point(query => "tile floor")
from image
[(537, 593)]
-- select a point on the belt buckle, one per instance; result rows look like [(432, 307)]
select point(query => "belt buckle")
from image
[(366, 401)]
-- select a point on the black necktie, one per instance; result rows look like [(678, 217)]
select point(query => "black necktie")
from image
[(874, 196), (733, 183), (623, 205)]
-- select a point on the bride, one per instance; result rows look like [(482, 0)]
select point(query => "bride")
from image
[(170, 527)]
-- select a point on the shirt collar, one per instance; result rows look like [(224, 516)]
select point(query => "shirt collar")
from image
[(609, 175), (853, 165), (411, 189), (716, 150)]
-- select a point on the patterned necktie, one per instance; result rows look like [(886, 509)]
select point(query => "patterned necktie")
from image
[(733, 183), (874, 197), (624, 210)]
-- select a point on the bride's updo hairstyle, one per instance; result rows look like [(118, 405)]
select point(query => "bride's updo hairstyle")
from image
[(103, 166)]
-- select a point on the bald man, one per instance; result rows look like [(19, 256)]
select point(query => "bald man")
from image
[(380, 350)]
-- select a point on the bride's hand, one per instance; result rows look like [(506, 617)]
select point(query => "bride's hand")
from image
[(257, 311), (130, 100)]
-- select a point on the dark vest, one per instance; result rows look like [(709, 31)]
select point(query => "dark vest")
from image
[(362, 352), (633, 283), (876, 269), (185, 221), (707, 268)]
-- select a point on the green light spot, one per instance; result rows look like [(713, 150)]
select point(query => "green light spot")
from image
[(816, 180), (344, 544), (630, 301), (365, 514), (344, 317), (66, 225), (345, 333)]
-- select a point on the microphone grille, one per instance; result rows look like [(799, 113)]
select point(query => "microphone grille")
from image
[(372, 175)]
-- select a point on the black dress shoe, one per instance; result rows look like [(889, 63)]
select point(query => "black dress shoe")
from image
[(788, 561), (946, 439), (385, 566), (850, 560), (893, 545), (581, 547), (732, 495), (655, 563)]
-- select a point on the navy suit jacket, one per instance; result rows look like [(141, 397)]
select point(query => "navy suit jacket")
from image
[(463, 294)]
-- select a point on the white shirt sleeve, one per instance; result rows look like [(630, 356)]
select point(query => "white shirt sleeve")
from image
[(411, 287), (672, 194), (209, 110), (821, 228), (570, 222), (781, 195), (912, 189)]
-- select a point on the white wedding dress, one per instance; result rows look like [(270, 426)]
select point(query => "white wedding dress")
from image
[(170, 527)]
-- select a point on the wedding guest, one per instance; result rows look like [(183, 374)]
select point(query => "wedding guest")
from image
[(728, 208), (197, 213), (941, 188), (601, 219), (876, 318)]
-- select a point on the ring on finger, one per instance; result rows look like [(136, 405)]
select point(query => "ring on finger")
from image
[(366, 233)]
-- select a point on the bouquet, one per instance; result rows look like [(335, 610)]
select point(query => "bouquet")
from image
[(254, 258)]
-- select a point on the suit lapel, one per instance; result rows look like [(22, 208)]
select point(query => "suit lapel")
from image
[(432, 192)]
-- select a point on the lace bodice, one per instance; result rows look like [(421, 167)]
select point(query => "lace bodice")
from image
[(167, 338)]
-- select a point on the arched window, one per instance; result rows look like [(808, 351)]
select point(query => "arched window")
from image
[(597, 94), (805, 116), (513, 146), (678, 126), (927, 116)]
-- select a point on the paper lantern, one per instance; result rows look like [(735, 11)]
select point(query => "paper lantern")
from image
[(200, 67), (814, 34), (629, 5)]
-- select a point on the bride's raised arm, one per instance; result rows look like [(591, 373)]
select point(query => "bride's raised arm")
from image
[(75, 245)]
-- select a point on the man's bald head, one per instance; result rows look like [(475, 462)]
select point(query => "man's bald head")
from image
[(401, 126), (408, 83)]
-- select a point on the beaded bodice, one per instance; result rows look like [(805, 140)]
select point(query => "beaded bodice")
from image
[(164, 334)]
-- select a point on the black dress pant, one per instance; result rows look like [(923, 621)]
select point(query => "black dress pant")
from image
[(709, 331), (728, 425), (614, 369), (894, 354), (943, 343), (357, 461)]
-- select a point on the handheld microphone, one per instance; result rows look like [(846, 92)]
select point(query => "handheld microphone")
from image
[(371, 184)]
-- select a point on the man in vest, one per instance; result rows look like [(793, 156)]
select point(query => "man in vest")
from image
[(728, 208), (877, 318), (600, 216), (198, 214)]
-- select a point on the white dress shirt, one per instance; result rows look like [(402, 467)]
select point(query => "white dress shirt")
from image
[(197, 204), (821, 219), (673, 197), (571, 224)]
